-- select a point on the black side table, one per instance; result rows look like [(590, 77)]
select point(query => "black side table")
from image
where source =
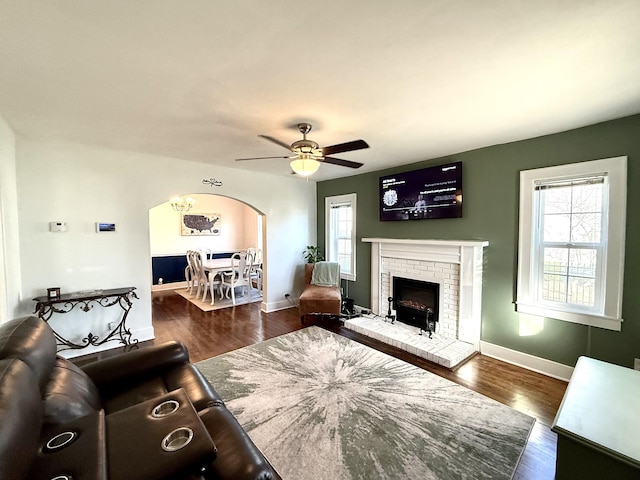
[(85, 301)]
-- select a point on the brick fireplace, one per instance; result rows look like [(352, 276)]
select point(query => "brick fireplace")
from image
[(456, 266)]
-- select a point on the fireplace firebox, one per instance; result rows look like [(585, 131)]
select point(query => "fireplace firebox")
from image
[(416, 303)]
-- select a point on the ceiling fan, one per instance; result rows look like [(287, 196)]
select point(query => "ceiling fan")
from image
[(307, 154)]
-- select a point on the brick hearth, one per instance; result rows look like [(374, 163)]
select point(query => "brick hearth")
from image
[(457, 267)]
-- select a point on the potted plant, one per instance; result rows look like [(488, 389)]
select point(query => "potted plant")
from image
[(312, 254)]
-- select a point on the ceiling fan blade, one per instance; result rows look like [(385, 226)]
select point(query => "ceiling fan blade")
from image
[(342, 163), (276, 141), (345, 147), (257, 158)]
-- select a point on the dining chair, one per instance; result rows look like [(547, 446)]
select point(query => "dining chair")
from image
[(256, 266), (199, 275), (206, 252), (189, 272), (205, 282), (239, 276)]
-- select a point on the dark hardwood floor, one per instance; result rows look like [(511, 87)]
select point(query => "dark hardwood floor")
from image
[(207, 334)]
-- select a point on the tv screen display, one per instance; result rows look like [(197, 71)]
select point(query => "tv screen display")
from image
[(433, 192)]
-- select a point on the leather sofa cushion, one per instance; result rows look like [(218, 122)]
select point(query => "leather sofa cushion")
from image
[(32, 341), (185, 376), (135, 364), (139, 375), (123, 396), (70, 394), (20, 415)]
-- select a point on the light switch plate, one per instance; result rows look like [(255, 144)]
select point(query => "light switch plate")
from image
[(57, 227), (636, 363)]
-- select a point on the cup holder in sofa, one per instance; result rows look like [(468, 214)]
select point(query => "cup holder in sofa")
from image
[(165, 408), (177, 439), (60, 441)]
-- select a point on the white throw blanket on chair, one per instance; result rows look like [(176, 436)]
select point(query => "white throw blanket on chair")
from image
[(326, 274)]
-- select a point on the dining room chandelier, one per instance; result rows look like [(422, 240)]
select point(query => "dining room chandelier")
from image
[(182, 204)]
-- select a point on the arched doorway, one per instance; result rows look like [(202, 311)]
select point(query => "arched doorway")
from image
[(239, 227)]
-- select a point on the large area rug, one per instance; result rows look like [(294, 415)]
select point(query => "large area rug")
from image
[(322, 406), (219, 303)]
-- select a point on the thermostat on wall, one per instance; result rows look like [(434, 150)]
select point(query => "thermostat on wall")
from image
[(105, 227), (57, 227)]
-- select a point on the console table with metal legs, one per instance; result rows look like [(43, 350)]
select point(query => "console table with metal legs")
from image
[(85, 301)]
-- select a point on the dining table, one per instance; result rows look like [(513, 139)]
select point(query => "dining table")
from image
[(215, 266)]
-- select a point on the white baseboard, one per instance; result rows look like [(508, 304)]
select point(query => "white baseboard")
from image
[(141, 335), (279, 305), (524, 360), (168, 286)]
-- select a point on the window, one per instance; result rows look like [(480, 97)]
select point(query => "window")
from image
[(570, 241), (571, 245), (340, 228)]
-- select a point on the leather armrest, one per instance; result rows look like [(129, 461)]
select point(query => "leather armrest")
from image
[(143, 362), (135, 436), (85, 454), (238, 457), (20, 418)]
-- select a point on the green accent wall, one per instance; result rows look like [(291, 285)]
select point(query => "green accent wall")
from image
[(490, 212)]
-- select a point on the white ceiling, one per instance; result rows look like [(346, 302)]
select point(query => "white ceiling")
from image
[(416, 79)]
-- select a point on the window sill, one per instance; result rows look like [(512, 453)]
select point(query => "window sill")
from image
[(600, 321)]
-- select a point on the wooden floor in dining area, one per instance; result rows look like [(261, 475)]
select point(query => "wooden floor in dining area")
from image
[(207, 334)]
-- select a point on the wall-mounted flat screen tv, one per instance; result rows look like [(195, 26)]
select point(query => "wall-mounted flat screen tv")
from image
[(433, 192)]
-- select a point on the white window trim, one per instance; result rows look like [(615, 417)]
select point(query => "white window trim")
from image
[(341, 199), (616, 169)]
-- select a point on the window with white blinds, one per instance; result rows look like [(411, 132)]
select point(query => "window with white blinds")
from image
[(571, 241), (571, 246), (340, 228)]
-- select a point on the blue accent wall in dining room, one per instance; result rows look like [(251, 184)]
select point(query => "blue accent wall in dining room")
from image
[(171, 267)]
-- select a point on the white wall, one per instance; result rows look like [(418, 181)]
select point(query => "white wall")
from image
[(9, 239), (82, 185), (238, 227)]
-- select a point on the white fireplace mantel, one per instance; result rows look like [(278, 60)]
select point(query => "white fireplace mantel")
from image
[(460, 243), (466, 255), (448, 251)]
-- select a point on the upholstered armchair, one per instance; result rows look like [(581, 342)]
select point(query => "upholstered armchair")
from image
[(319, 298)]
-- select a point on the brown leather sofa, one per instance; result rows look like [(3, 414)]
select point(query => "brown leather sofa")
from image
[(144, 414), (317, 299)]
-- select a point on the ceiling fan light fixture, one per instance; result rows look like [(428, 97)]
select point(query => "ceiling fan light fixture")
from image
[(305, 165), (306, 147), (307, 154)]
